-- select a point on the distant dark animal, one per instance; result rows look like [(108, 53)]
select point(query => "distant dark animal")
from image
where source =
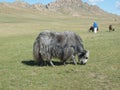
[(64, 46), (111, 28), (92, 29)]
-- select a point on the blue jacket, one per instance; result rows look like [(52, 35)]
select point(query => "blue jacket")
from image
[(95, 25)]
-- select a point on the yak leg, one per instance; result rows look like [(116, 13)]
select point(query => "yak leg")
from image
[(64, 62), (73, 58), (52, 63)]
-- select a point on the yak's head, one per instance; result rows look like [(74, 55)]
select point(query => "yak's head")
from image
[(83, 57)]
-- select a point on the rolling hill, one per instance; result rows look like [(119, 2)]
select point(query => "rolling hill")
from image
[(60, 7)]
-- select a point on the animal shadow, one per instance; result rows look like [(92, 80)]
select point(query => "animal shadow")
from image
[(33, 63), (29, 62)]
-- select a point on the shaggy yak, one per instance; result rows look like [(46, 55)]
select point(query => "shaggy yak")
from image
[(64, 46), (111, 28), (92, 29)]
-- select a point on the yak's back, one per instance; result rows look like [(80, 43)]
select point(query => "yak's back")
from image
[(59, 38)]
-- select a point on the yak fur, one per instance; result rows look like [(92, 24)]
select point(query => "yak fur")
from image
[(61, 45)]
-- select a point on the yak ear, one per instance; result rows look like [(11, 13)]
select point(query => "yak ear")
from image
[(81, 54), (84, 53)]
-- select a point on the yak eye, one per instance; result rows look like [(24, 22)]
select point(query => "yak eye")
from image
[(86, 57)]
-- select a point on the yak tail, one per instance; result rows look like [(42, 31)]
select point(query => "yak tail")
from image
[(36, 52)]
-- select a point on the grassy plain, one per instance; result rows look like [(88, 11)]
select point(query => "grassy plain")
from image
[(17, 68)]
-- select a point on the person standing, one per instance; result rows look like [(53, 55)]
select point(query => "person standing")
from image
[(95, 26)]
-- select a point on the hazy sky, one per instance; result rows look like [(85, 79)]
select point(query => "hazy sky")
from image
[(112, 6)]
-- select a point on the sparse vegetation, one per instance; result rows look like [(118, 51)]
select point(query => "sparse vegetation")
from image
[(19, 72)]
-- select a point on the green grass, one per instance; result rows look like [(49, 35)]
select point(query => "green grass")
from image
[(18, 72)]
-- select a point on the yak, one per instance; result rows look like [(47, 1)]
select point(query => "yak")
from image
[(62, 45), (92, 29), (111, 28)]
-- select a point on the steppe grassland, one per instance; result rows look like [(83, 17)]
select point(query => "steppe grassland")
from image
[(17, 34)]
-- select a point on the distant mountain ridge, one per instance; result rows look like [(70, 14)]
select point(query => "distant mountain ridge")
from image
[(67, 7), (74, 7)]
